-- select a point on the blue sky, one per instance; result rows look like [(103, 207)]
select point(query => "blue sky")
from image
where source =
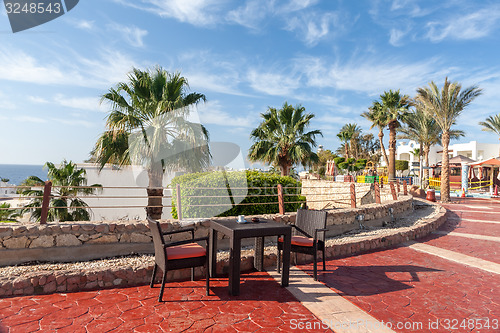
[(333, 57)]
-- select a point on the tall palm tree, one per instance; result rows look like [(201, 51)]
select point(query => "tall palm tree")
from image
[(344, 138), (423, 128), (445, 106), (281, 138), (68, 184), (377, 115), (492, 124), (147, 126), (395, 106)]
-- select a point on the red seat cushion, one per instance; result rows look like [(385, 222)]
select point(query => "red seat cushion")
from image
[(184, 251), (300, 241)]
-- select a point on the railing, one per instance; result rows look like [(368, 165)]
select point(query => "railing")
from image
[(436, 182), (278, 196)]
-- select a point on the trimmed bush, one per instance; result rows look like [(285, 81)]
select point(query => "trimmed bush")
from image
[(402, 165), (220, 193)]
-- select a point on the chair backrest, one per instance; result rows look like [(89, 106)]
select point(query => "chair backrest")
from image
[(310, 220), (158, 242)]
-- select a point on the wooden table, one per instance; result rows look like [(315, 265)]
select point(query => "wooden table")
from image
[(237, 231)]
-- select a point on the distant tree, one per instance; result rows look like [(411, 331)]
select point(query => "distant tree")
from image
[(445, 105), (377, 114), (282, 138), (492, 124), (323, 157), (5, 180), (148, 125), (395, 106), (347, 135), (67, 181), (7, 214)]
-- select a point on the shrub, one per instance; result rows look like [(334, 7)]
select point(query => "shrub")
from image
[(338, 160), (221, 193), (401, 165)]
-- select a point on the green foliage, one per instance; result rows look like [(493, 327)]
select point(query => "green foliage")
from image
[(67, 181), (5, 180), (8, 215), (231, 193), (401, 165), (338, 160), (281, 139)]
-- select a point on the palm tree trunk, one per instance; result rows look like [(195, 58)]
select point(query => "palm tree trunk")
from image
[(155, 191), (445, 168), (346, 147), (382, 148), (284, 166), (426, 171), (392, 151)]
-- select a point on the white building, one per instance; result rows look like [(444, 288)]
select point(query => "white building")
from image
[(474, 150)]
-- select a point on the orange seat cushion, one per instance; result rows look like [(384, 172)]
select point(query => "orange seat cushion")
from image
[(191, 250), (300, 241)]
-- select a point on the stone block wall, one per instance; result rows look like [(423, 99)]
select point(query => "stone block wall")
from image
[(325, 194)]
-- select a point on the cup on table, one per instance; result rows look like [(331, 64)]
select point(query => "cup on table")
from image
[(241, 218)]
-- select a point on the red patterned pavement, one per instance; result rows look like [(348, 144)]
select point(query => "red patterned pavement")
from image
[(413, 291), (263, 306)]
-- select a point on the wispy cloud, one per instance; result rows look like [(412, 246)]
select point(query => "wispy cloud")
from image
[(81, 23), (131, 34), (396, 36), (30, 119), (74, 122), (314, 26), (212, 113), (106, 68), (475, 25), (370, 76), (251, 14), (196, 12), (272, 83), (82, 103)]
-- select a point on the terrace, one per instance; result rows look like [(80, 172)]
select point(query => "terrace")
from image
[(399, 278)]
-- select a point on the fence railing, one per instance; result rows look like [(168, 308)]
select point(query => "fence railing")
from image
[(279, 196)]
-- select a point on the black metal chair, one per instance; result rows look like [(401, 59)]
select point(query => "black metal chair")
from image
[(308, 236), (177, 255)]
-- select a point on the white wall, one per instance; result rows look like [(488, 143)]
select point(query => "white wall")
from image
[(125, 176)]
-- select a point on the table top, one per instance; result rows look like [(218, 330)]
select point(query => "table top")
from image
[(250, 229)]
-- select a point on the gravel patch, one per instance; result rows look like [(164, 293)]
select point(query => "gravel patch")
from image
[(421, 213)]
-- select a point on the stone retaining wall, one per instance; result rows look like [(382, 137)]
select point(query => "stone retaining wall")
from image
[(87, 279), (74, 241)]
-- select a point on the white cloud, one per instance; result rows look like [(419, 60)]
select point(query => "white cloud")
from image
[(37, 100), (212, 113), (131, 34), (196, 12), (105, 69), (371, 76), (81, 23), (251, 14), (74, 122), (83, 103), (313, 27), (475, 25), (30, 119), (396, 35), (272, 83)]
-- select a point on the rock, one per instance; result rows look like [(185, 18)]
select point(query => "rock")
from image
[(16, 242), (84, 237), (42, 241), (136, 237), (67, 240), (104, 239)]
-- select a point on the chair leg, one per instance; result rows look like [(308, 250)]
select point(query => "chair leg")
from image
[(192, 273), (153, 277), (324, 265), (162, 285), (207, 277), (315, 264), (279, 260)]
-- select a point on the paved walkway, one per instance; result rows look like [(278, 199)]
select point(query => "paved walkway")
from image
[(446, 282), (263, 306)]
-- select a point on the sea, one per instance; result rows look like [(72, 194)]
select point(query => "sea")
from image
[(16, 173)]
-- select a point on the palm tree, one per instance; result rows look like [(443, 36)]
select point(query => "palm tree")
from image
[(344, 138), (281, 138), (8, 214), (68, 183), (147, 126), (445, 106), (492, 124), (424, 129), (395, 107), (378, 117)]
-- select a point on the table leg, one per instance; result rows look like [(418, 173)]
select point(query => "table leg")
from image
[(287, 247), (234, 266), (258, 259), (213, 253)]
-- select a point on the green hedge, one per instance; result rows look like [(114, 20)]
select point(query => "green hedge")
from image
[(230, 188)]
